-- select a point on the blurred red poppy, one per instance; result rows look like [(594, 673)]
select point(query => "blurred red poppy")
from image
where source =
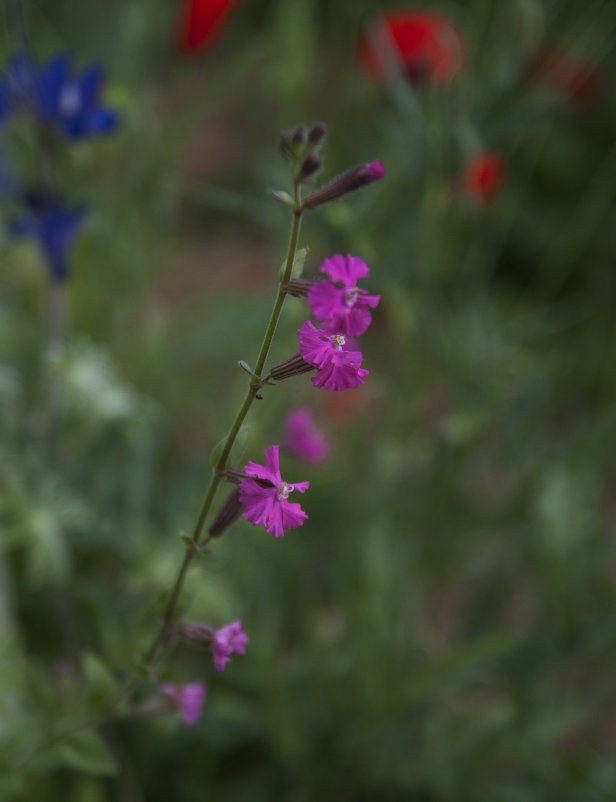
[(576, 78), (201, 22), (483, 176), (424, 46)]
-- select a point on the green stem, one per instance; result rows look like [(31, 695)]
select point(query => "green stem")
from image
[(254, 386), (271, 328), (194, 545)]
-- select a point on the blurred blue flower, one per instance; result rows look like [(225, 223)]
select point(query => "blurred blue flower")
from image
[(55, 225), (58, 97), (73, 102)]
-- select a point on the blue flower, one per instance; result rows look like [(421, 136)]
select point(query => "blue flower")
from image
[(72, 102), (58, 97), (47, 219)]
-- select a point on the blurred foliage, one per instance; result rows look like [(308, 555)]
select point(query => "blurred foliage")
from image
[(443, 627)]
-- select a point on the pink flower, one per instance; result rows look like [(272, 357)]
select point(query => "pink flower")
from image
[(303, 439), (188, 699), (337, 369), (227, 640), (266, 502), (342, 306)]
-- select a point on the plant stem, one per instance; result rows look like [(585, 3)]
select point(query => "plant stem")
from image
[(195, 545)]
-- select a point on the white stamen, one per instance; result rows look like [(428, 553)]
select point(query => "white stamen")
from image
[(283, 491), (350, 297), (338, 341), (70, 99)]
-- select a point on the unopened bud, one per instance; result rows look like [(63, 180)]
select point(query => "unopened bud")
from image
[(292, 367), (236, 477), (298, 136), (233, 475), (197, 633), (309, 167), (343, 184), (317, 134), (293, 143), (299, 287), (230, 510)]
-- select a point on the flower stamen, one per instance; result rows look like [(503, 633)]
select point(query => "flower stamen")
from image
[(350, 297), (283, 491)]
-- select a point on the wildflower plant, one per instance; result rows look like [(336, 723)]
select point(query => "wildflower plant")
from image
[(258, 492), (442, 620)]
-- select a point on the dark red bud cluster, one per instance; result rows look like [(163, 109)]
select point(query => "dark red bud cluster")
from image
[(300, 146)]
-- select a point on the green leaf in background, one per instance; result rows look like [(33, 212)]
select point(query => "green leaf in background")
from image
[(85, 751), (100, 681)]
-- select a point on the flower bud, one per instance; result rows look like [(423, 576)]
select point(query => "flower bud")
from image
[(317, 134), (298, 136), (292, 367), (309, 167), (197, 633), (293, 142), (299, 287), (353, 179), (233, 475), (230, 510), (236, 476)]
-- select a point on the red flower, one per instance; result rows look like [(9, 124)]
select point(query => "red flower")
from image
[(426, 46), (576, 78), (483, 176), (201, 22)]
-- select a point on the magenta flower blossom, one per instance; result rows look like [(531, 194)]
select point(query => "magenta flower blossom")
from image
[(227, 640), (340, 305), (188, 699), (303, 439), (337, 369), (266, 501)]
